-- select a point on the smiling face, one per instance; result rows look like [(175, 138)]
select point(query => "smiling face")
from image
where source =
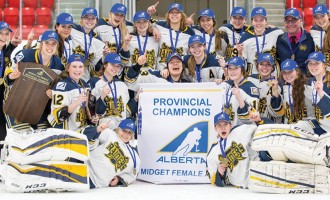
[(142, 25), (49, 47), (316, 68), (4, 36), (206, 23), (322, 21), (111, 70), (125, 135), (237, 21), (116, 18), (265, 69), (197, 49), (64, 30), (88, 21), (76, 70), (175, 16), (235, 73), (175, 66), (259, 23), (223, 129), (290, 76), (292, 25)]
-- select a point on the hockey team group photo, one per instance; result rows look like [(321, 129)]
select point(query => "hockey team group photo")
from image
[(225, 94)]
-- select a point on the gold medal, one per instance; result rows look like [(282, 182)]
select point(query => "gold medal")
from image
[(269, 83), (115, 111), (1, 81), (224, 160), (292, 57)]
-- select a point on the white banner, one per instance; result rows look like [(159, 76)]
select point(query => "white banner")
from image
[(176, 130)]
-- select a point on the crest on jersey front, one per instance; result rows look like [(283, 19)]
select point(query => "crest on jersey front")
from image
[(192, 140), (116, 156), (233, 155)]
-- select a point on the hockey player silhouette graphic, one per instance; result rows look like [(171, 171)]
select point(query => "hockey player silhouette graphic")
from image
[(191, 140)]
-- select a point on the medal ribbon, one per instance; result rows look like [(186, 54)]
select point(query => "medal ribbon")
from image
[(131, 151), (77, 86), (173, 46), (113, 92), (118, 40)]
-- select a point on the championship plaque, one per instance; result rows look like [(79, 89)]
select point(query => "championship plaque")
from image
[(27, 98)]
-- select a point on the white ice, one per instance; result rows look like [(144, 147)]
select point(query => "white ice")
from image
[(148, 191)]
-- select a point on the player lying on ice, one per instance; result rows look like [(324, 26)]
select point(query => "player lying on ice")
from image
[(36, 161)]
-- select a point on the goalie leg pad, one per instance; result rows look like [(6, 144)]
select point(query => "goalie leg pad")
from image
[(281, 177), (51, 175), (44, 145)]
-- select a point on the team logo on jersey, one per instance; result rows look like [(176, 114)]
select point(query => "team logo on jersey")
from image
[(291, 116), (254, 90), (229, 111), (79, 50), (262, 105), (193, 140), (166, 50), (234, 154), (19, 57), (116, 156), (81, 117), (113, 110), (60, 86), (151, 61)]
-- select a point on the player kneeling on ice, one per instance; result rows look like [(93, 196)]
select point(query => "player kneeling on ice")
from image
[(228, 160), (113, 161)]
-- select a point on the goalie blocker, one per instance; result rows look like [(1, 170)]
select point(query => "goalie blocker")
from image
[(288, 178)]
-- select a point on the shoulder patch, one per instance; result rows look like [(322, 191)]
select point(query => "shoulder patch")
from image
[(19, 57), (254, 90), (61, 86)]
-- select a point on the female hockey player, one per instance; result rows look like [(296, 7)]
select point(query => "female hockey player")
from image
[(143, 40), (319, 31), (260, 41), (174, 34), (115, 30), (87, 43), (45, 55), (235, 30), (69, 99), (113, 102), (296, 103), (202, 67), (175, 67), (268, 86), (216, 40), (245, 93), (114, 162), (63, 27), (228, 160)]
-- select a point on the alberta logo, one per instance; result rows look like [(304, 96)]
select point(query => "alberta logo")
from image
[(192, 140)]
